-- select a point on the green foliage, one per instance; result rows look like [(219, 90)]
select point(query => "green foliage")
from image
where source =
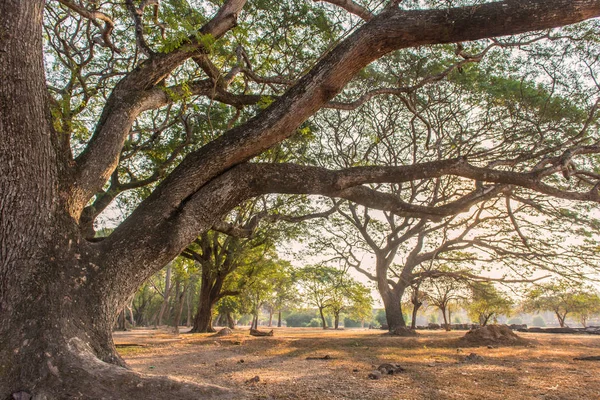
[(563, 298), (380, 317), (486, 303), (332, 290), (300, 318), (538, 321), (352, 323)]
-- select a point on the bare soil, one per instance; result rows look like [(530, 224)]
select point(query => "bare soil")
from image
[(435, 363)]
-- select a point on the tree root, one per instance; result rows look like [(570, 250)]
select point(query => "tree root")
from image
[(78, 374)]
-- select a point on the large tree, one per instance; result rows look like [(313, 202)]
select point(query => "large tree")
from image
[(60, 289)]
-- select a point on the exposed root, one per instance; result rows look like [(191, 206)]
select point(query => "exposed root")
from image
[(78, 374)]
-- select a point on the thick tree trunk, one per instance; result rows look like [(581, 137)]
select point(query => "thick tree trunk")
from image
[(336, 321), (393, 312), (279, 319), (390, 297), (203, 320)]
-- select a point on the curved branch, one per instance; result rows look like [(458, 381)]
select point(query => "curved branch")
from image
[(94, 15), (351, 7), (187, 191), (96, 163)]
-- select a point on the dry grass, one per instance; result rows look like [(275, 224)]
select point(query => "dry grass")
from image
[(433, 362)]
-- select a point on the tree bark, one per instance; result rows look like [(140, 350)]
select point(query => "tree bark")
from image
[(203, 320), (393, 312), (279, 319)]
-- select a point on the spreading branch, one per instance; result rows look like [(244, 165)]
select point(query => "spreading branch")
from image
[(351, 7)]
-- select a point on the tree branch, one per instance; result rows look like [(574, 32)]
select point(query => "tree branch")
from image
[(95, 15)]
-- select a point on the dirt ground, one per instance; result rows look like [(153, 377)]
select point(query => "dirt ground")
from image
[(434, 363)]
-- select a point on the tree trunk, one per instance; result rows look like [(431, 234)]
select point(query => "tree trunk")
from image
[(324, 322), (203, 320), (270, 317), (414, 299), (167, 291), (230, 321), (122, 321), (130, 309), (390, 297), (413, 323), (484, 319), (393, 312), (561, 319), (336, 322), (179, 310), (279, 319), (188, 301), (443, 310)]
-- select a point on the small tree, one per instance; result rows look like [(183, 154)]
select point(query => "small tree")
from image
[(316, 283), (589, 305), (330, 289), (561, 298), (486, 303), (443, 293)]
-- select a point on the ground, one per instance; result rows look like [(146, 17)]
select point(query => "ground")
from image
[(434, 363)]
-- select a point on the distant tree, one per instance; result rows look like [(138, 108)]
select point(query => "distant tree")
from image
[(515, 321), (332, 290), (485, 303), (444, 292), (299, 318), (350, 297), (284, 294), (589, 306), (537, 321), (380, 317), (561, 298), (259, 281)]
